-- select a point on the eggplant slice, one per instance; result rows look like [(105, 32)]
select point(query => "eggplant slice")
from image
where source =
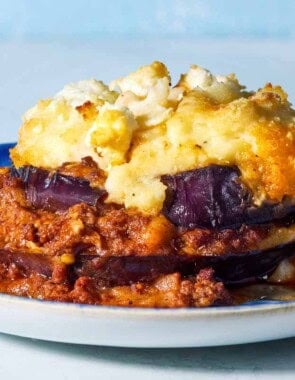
[(231, 269), (28, 263), (215, 197), (55, 191)]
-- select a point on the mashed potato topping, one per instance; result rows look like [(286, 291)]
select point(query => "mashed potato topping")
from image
[(148, 94), (111, 135), (140, 127)]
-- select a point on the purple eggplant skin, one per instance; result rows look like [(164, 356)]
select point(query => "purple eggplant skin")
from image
[(215, 197), (55, 191), (232, 269), (209, 197), (28, 263)]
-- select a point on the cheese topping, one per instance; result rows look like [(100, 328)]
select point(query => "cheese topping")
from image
[(222, 89), (94, 91), (139, 128)]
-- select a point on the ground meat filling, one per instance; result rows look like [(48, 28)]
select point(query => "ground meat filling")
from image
[(108, 255), (167, 291)]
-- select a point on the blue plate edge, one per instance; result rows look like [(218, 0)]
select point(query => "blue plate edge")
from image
[(4, 153)]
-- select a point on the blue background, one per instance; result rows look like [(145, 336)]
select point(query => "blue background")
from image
[(90, 19)]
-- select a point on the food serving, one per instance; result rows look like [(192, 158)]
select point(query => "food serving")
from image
[(140, 193)]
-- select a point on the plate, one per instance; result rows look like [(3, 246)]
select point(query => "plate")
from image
[(139, 327), (127, 327)]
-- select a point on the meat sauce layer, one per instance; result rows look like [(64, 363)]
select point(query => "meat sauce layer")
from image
[(167, 291)]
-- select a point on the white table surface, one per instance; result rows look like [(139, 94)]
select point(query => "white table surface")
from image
[(29, 71)]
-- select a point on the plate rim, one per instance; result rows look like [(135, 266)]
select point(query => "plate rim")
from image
[(91, 310)]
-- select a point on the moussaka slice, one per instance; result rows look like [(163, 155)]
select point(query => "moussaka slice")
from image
[(140, 193)]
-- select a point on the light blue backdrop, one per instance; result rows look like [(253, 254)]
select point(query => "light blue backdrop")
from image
[(45, 44), (90, 19)]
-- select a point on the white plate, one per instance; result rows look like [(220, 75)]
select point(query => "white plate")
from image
[(138, 327)]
